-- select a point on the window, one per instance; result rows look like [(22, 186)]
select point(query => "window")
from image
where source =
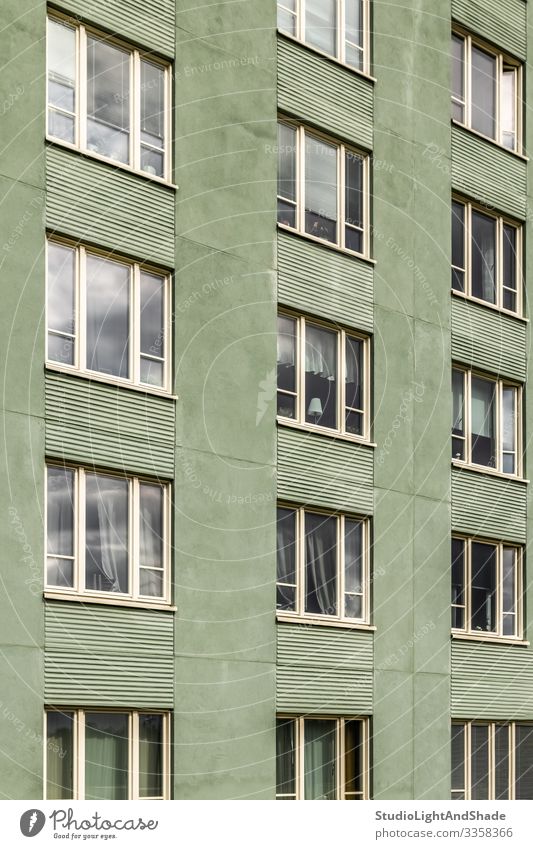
[(322, 188), (322, 565), (107, 535), (492, 760), (486, 588), (486, 91), (97, 754), (486, 422), (107, 99), (107, 316), (485, 257), (321, 758), (322, 377), (336, 27)]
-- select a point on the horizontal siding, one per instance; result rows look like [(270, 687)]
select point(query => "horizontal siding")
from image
[(485, 505), (148, 23), (103, 656), (491, 681), (91, 422), (322, 282), (501, 21), (94, 202), (489, 340), (324, 471), (488, 174), (323, 93), (324, 669)]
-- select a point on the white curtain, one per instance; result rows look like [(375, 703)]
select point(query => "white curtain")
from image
[(321, 352)]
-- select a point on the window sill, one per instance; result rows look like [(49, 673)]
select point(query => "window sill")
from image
[(487, 638), (491, 307), (316, 50), (326, 622), (321, 431), (481, 470), (115, 602), (330, 245), (488, 139), (120, 166), (109, 381)]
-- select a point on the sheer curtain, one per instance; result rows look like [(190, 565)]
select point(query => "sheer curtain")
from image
[(483, 257), (320, 25), (319, 759), (150, 755), (321, 564), (106, 533), (108, 317), (483, 447), (59, 755), (106, 756)]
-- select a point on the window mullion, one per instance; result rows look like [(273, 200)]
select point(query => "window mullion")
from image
[(340, 33), (300, 561), (79, 518), (499, 429), (79, 758), (468, 81), (499, 589), (468, 253), (81, 102), (133, 750), (468, 588), (300, 765), (512, 761), (300, 179), (341, 194), (301, 326), (499, 262), (467, 391), (134, 536), (499, 90), (135, 324), (135, 110), (300, 19), (339, 759), (341, 566), (341, 372)]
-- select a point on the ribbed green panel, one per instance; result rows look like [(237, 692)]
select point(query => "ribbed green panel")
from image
[(486, 339), (488, 506), (100, 655), (92, 422), (325, 94), (148, 23), (491, 681), (488, 174), (94, 202), (501, 21), (323, 669), (325, 472), (323, 282)]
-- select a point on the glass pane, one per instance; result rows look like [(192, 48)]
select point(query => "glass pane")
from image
[(151, 583), (286, 361), (150, 755), (59, 572), (61, 349), (106, 532), (354, 375), (508, 108), (509, 257), (286, 555), (106, 756), (483, 92), (458, 582), (61, 282), (483, 422), (285, 757), (458, 445), (61, 56), (483, 587), (354, 190), (285, 597), (524, 762), (458, 76), (152, 372), (320, 564), (509, 429), (59, 755), (353, 565), (60, 510), (483, 257), (151, 500), (319, 759), (354, 757), (286, 162), (152, 105), (320, 189), (458, 245), (108, 316), (61, 126), (354, 32), (152, 315), (320, 25), (501, 760), (458, 758), (480, 762), (320, 376), (286, 213), (286, 18), (108, 100), (152, 161)]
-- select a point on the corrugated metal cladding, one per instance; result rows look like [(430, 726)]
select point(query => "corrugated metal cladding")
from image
[(486, 339), (323, 93), (323, 669), (491, 681), (91, 422), (149, 24), (488, 174), (94, 202), (488, 506), (326, 283), (103, 656), (501, 21), (325, 472)]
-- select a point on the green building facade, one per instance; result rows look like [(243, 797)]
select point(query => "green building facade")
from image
[(148, 281)]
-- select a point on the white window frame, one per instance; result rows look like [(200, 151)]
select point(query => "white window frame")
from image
[(299, 205), (340, 764), (299, 394), (80, 124), (79, 591), (501, 221), (81, 253), (498, 634), (467, 724), (503, 62), (340, 55), (467, 439), (78, 766), (322, 618)]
